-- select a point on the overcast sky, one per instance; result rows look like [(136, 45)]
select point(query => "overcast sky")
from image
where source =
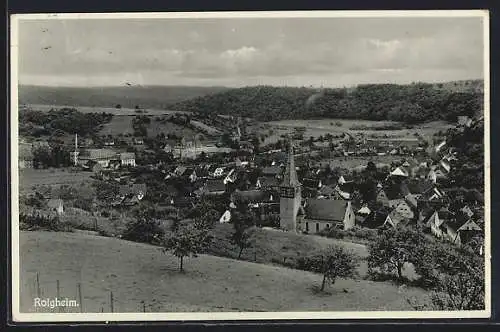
[(250, 51)]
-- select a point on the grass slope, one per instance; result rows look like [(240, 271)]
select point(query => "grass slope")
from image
[(138, 272)]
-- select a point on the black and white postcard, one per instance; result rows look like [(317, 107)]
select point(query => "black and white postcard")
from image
[(250, 166)]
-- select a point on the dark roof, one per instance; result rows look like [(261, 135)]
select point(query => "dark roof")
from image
[(215, 185), (393, 191), (271, 170), (419, 186), (267, 181), (311, 183), (325, 209), (327, 190), (252, 196)]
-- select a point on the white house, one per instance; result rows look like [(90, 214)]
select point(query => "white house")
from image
[(226, 217)]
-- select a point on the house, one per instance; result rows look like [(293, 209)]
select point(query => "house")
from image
[(56, 205), (101, 156), (400, 171), (466, 210), (226, 217), (405, 210), (213, 187), (461, 234), (394, 218), (190, 174), (218, 172), (127, 159), (140, 141), (133, 190), (437, 220), (391, 195), (231, 177), (320, 214)]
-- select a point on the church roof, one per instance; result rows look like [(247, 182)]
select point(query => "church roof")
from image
[(290, 178), (325, 209)]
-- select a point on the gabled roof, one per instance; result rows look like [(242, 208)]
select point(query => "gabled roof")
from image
[(469, 226), (325, 209), (400, 171), (419, 187), (364, 210)]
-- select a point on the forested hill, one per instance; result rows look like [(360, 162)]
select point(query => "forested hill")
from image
[(413, 103)]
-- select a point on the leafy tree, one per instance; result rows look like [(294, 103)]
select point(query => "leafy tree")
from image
[(42, 157), (333, 262), (188, 240), (242, 236), (106, 191), (392, 249)]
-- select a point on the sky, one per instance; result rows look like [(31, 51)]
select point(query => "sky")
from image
[(235, 52)]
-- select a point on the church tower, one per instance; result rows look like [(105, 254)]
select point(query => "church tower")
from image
[(290, 195)]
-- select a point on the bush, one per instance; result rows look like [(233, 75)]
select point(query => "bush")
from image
[(42, 222)]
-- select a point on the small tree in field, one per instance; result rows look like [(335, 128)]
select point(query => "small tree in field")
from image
[(334, 262), (243, 231), (188, 240)]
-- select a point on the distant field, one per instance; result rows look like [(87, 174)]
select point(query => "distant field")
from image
[(99, 109), (137, 272), (50, 177), (155, 97)]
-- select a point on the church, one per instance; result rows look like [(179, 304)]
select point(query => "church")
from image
[(314, 215)]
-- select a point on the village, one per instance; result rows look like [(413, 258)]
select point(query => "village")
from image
[(295, 184)]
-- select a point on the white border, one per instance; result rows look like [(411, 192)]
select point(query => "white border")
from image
[(211, 316)]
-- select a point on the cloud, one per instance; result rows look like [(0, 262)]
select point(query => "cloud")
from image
[(250, 51)]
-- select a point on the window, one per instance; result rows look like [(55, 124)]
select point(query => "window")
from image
[(317, 227)]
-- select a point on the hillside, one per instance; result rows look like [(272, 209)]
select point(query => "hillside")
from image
[(139, 272), (413, 103), (128, 97)]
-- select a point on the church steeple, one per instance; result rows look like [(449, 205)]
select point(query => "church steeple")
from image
[(290, 195), (290, 178)]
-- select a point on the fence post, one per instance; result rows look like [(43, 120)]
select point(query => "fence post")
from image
[(58, 294), (144, 306), (38, 292), (111, 301), (79, 291)]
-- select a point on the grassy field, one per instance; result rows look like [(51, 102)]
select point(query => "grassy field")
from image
[(123, 125), (317, 128), (50, 177), (138, 272)]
